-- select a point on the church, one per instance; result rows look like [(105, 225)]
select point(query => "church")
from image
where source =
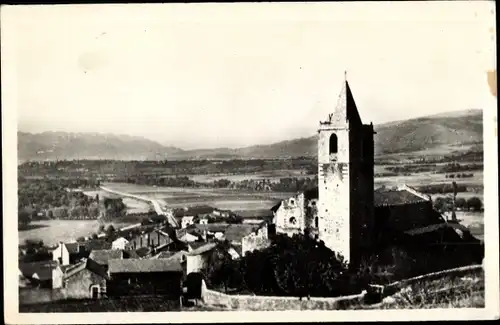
[(345, 211)]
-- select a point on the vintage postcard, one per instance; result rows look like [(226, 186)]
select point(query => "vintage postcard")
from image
[(256, 161)]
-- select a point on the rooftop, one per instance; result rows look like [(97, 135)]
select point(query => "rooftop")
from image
[(89, 245), (40, 268), (236, 232), (396, 197), (203, 249), (381, 197), (144, 266), (104, 255)]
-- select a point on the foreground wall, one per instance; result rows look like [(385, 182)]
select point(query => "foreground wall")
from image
[(262, 303)]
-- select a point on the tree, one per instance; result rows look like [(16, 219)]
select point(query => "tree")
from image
[(475, 203), (461, 203), (110, 230), (24, 217), (220, 265)]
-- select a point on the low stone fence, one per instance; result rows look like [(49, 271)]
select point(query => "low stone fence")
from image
[(465, 270), (376, 294), (273, 303)]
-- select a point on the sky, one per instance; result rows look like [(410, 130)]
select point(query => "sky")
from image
[(214, 75)]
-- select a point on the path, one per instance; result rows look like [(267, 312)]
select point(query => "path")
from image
[(160, 206)]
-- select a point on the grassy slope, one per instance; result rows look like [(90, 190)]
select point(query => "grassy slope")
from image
[(446, 132)]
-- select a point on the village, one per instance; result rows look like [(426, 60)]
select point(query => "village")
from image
[(344, 212), (157, 256)]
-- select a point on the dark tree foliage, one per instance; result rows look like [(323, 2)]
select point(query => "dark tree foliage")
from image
[(296, 266)]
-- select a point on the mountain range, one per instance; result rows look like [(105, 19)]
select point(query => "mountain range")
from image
[(445, 131)]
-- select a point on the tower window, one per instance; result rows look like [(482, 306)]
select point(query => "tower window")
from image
[(293, 220), (316, 222), (333, 143)]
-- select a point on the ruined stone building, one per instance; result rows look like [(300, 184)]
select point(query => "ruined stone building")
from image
[(345, 211)]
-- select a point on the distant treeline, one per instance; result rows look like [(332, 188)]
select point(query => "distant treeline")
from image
[(285, 184), (105, 169), (434, 168), (441, 188)]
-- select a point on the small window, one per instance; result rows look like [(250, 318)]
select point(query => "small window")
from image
[(333, 143), (313, 203), (292, 201), (293, 220), (316, 222)]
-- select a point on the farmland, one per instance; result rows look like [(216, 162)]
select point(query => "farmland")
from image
[(53, 231), (238, 200)]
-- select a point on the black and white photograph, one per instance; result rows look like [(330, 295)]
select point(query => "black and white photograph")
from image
[(242, 158)]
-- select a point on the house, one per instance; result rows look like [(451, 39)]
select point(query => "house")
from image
[(44, 274), (86, 279), (71, 253), (186, 221), (120, 243), (196, 260), (247, 237), (145, 277), (151, 240), (102, 257), (188, 238), (179, 257), (203, 221)]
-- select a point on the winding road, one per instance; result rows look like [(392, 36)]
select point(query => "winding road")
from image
[(160, 206)]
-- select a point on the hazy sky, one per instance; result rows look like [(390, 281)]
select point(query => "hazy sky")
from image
[(239, 74)]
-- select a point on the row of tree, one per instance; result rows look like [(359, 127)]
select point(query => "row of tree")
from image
[(445, 204)]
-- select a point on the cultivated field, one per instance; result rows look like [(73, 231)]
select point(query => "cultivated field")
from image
[(230, 199), (417, 179), (274, 175)]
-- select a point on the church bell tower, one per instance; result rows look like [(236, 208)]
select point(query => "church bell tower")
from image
[(345, 179)]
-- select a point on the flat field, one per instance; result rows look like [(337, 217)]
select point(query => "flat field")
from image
[(54, 231), (230, 199)]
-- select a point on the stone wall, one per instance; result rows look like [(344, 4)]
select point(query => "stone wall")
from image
[(291, 208), (263, 303)]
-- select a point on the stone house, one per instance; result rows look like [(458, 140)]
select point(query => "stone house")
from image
[(187, 221), (71, 253), (145, 277), (86, 279), (103, 256), (120, 243), (196, 260), (44, 274), (247, 237)]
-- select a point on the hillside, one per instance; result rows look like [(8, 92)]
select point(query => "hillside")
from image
[(444, 132), (62, 145)]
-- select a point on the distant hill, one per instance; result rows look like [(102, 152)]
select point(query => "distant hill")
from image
[(63, 145), (445, 131)]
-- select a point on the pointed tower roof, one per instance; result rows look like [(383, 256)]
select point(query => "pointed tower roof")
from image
[(346, 110)]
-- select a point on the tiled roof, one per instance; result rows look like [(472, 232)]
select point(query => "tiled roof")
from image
[(236, 232), (203, 249), (212, 227), (431, 228), (103, 256), (395, 197), (166, 254), (86, 264), (28, 269), (144, 266), (381, 197), (143, 251), (196, 244), (89, 245)]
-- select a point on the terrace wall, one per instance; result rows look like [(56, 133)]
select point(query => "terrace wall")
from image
[(274, 303)]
